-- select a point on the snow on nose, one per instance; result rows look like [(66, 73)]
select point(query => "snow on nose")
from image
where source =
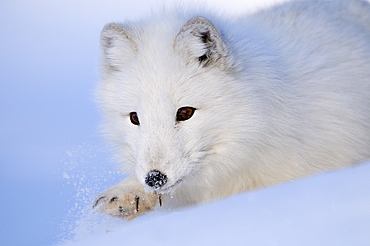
[(155, 179)]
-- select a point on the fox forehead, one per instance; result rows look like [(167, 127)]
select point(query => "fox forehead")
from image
[(169, 91), (158, 82)]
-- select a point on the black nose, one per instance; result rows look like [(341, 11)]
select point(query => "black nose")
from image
[(155, 179)]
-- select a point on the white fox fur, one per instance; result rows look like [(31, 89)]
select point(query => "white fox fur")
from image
[(278, 95)]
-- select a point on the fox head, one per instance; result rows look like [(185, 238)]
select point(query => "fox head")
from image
[(168, 92)]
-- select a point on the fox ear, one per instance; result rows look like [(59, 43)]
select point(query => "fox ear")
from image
[(201, 40), (117, 46)]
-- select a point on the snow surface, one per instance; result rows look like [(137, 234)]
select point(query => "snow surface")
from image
[(328, 209), (53, 161)]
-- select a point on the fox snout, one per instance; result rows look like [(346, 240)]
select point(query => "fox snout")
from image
[(155, 179)]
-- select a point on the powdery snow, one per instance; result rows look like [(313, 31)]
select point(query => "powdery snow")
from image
[(328, 209)]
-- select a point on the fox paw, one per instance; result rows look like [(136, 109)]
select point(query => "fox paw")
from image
[(125, 204)]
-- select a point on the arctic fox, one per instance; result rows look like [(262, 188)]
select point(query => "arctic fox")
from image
[(201, 107)]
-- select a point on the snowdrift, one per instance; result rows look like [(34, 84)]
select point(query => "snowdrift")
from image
[(328, 209)]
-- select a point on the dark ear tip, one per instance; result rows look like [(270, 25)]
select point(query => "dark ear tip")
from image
[(108, 26), (112, 26), (199, 20), (112, 29), (210, 48)]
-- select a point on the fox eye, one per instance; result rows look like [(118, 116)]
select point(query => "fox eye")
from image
[(134, 118), (184, 113)]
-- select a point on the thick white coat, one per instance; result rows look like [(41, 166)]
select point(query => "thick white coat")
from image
[(282, 94)]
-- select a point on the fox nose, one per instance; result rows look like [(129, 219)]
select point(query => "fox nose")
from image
[(155, 179)]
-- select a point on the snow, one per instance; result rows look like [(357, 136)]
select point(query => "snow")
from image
[(53, 160), (328, 209)]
